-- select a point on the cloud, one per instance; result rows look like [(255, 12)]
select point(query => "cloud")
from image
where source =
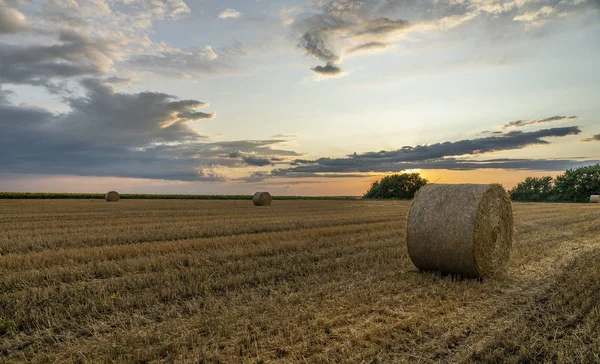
[(508, 141), (230, 14), (284, 136), (256, 161), (538, 17), (184, 63), (12, 21), (521, 123), (129, 19), (447, 155), (257, 176), (4, 96), (110, 133), (73, 55), (252, 159), (445, 164), (343, 24), (69, 39), (131, 15), (329, 70), (593, 138), (368, 47), (337, 29), (117, 80), (315, 45)]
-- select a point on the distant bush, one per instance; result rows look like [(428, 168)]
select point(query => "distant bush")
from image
[(575, 185), (397, 186)]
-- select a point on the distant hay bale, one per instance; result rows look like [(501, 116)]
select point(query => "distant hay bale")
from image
[(464, 229), (112, 196), (262, 199), (595, 199)]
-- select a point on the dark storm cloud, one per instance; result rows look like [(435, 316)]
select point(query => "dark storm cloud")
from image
[(521, 123), (73, 55), (593, 138), (109, 133), (328, 70)]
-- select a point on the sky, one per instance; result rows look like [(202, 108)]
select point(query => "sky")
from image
[(313, 97)]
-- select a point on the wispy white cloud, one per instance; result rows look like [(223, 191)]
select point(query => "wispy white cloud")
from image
[(338, 29), (536, 18), (230, 14)]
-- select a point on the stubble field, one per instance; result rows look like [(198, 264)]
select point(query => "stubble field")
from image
[(299, 281)]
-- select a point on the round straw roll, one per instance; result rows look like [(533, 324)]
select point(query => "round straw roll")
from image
[(262, 199), (112, 196), (463, 229)]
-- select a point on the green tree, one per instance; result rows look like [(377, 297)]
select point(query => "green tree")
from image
[(399, 186), (533, 189), (576, 185)]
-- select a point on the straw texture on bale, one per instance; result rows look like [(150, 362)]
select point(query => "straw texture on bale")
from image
[(595, 198), (262, 199), (464, 229), (112, 196)]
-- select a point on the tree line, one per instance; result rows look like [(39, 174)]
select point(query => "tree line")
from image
[(575, 185)]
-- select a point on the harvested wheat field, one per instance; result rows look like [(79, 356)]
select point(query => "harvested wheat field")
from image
[(299, 281)]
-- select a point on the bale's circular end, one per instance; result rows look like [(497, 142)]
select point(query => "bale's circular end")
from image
[(463, 229), (493, 231), (595, 199), (112, 196), (262, 199)]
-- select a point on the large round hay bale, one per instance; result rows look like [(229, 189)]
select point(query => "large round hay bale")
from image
[(595, 199), (262, 199), (464, 229), (112, 196)]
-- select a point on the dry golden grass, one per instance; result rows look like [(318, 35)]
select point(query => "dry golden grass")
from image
[(299, 281)]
